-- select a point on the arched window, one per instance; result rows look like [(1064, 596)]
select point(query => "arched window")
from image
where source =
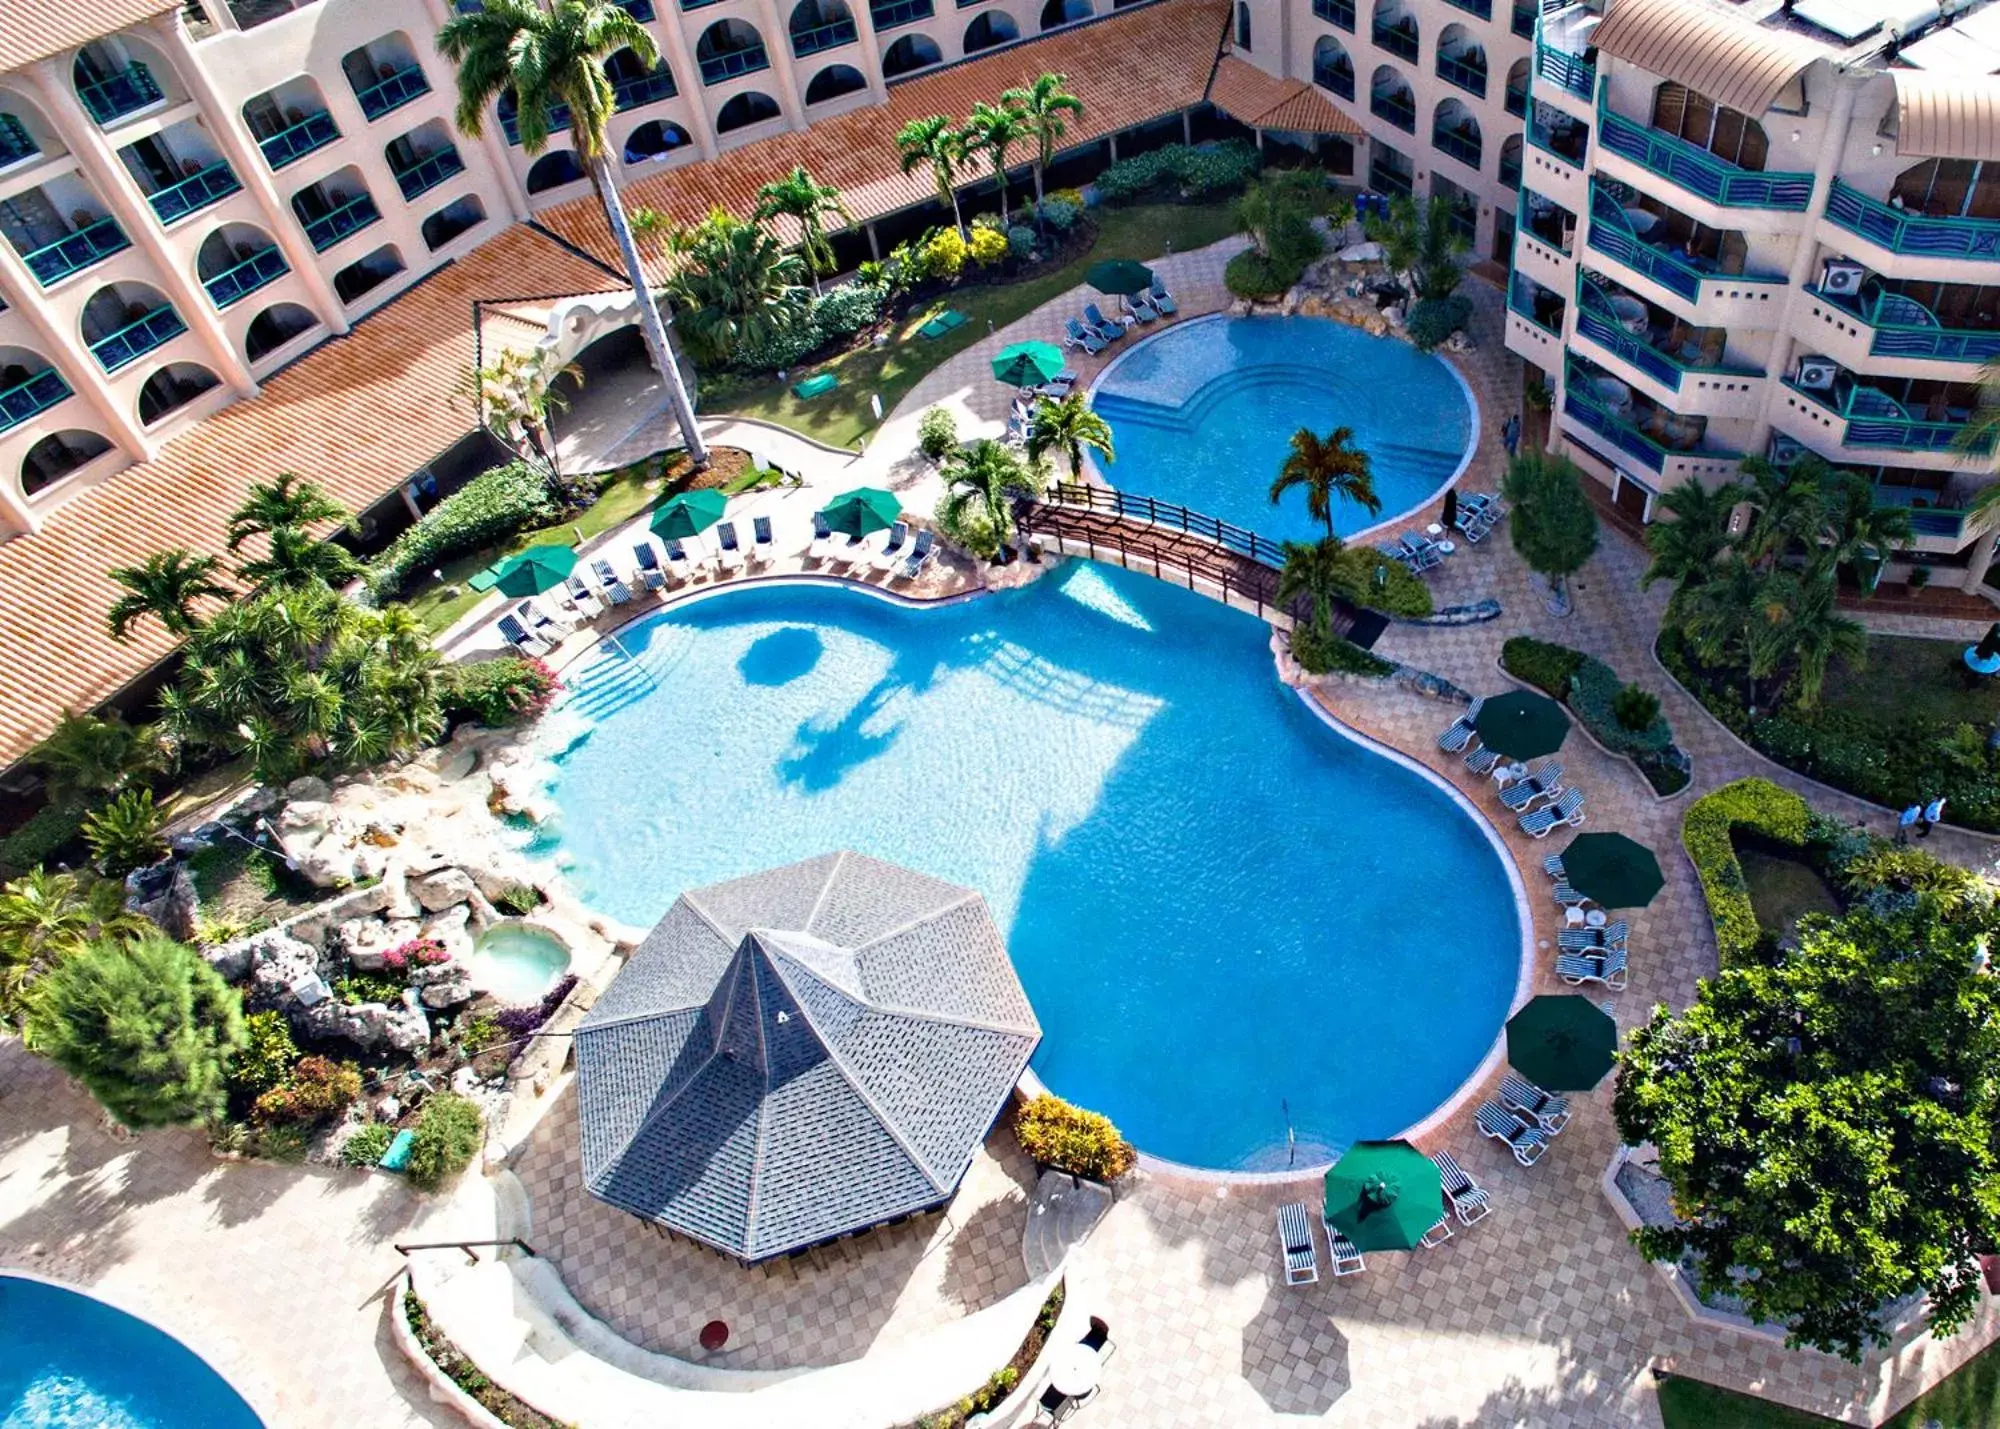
[(173, 387), (364, 275), (995, 27), (820, 25), (236, 260), (459, 216), (55, 457), (834, 81), (554, 169), (274, 327), (1242, 25), (1057, 13), (909, 54), (730, 49), (1333, 70), (1455, 132), (745, 109), (655, 139), (1461, 60), (1390, 98)]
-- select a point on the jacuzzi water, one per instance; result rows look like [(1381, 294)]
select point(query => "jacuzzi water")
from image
[(1225, 913), (1203, 414), (515, 963), (68, 1361)]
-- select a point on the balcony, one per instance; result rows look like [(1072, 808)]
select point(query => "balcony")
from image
[(31, 397), (829, 36), (1902, 232), (1338, 13), (1622, 330), (1613, 233), (1654, 437), (1471, 78), (427, 173), (637, 91), (1693, 168), (1335, 79), (1386, 178), (196, 192), (1523, 22), (293, 143), (1482, 8), (718, 69), (1457, 145), (15, 143), (84, 248), (349, 218), (133, 341), (1564, 70), (1868, 419), (1398, 108), (393, 92), (259, 270), (1530, 300), (898, 13), (510, 123), (123, 92), (1902, 327), (1926, 518), (1398, 39), (1560, 134)]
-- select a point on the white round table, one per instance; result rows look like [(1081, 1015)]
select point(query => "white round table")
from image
[(1595, 918), (1073, 1370)]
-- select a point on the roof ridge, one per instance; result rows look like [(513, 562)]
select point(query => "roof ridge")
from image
[(825, 891), (965, 896), (763, 1103)]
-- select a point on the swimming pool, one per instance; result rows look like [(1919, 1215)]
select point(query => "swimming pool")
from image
[(68, 1361), (1224, 911), (1202, 415)]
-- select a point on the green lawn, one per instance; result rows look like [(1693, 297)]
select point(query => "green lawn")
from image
[(840, 417), (1907, 678), (1970, 1399)]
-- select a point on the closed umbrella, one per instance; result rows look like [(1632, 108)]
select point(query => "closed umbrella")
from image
[(1384, 1195), (1612, 870), (688, 514), (1119, 276), (1562, 1042), (863, 511), (537, 569), (1522, 725), (1028, 364)]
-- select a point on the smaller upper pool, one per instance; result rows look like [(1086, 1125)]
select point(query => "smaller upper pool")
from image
[(516, 962), (1203, 413), (68, 1361)]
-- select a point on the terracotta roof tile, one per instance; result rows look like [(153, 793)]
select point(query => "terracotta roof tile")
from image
[(1263, 101), (33, 30)]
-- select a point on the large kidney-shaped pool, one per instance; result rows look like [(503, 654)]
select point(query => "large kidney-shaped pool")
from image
[(1202, 415), (1225, 912)]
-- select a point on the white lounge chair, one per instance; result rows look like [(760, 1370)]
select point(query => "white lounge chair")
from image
[(679, 562), (1482, 761), (1553, 867), (1296, 1242), (1107, 328), (1547, 784), (1568, 897), (1608, 968), (762, 547), (1161, 298), (1566, 811), (1468, 1202), (1456, 736), (1528, 1143), (729, 551), (615, 590), (1140, 309), (1549, 1111), (920, 556), (1346, 1255), (582, 598), (540, 619), (1438, 1234), (647, 565), (521, 638), (822, 541), (894, 549)]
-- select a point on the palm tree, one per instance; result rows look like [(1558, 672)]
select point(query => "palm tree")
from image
[(1736, 618), (1422, 244), (1328, 468), (287, 500), (1686, 548), (936, 142), (166, 586), (1068, 426), (992, 130), (1043, 104), (808, 203), (88, 755), (1790, 504), (735, 285), (981, 483), (295, 560), (1858, 530), (555, 56), (45, 917), (518, 397), (1814, 633), (1314, 571)]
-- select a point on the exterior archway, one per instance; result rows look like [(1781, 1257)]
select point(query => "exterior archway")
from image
[(994, 27), (655, 139), (910, 54), (124, 321), (274, 327), (1333, 68), (236, 260), (834, 81), (730, 49), (1517, 87), (1057, 13), (1461, 60), (554, 169), (173, 387), (29, 385), (56, 456), (24, 133), (818, 25), (750, 107), (1455, 132), (1390, 97)]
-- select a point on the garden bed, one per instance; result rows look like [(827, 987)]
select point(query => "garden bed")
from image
[(1003, 1382), (1606, 709), (471, 1381)]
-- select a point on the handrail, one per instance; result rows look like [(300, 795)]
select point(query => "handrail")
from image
[(333, 225), (1396, 40), (1338, 13), (651, 87), (1881, 429), (195, 192), (138, 337), (31, 396), (1900, 232), (734, 64), (510, 122), (1927, 338), (1467, 76), (831, 35), (92, 243), (465, 1245), (393, 91), (1447, 141), (1562, 69), (1137, 506), (1334, 79), (1596, 320), (1399, 109), (1482, 8), (120, 93), (15, 142), (295, 141), (889, 14), (428, 172), (1691, 167), (237, 282)]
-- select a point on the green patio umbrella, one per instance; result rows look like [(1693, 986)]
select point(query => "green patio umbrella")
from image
[(1522, 725), (534, 570), (688, 514), (1383, 1195), (1612, 870), (862, 511), (1027, 364), (1562, 1043), (1120, 276)]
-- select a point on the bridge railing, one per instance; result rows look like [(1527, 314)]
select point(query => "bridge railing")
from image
[(1138, 549), (1138, 507)]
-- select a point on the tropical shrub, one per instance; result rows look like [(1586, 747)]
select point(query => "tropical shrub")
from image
[(1594, 692), (937, 433), (1189, 171), (1546, 666), (145, 1024), (1635, 709), (840, 313), (989, 245), (1433, 320), (368, 1145), (1600, 700), (518, 1022), (1257, 276), (318, 1090), (519, 899), (46, 917), (491, 507), (1325, 653), (734, 287), (267, 1056), (1059, 213), (507, 690), (125, 834), (1083, 1143), (46, 833), (1072, 197), (86, 756), (1020, 242), (417, 953), (1756, 806), (783, 345), (448, 1135), (942, 255)]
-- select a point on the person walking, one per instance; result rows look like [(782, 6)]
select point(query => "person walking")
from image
[(1906, 821), (1510, 434), (1933, 816)]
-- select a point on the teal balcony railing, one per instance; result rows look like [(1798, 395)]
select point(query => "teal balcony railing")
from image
[(1925, 519), (894, 13), (830, 36), (1468, 77), (1520, 300), (1338, 13), (1904, 327), (15, 143), (1900, 232), (1596, 321), (394, 91), (510, 122), (195, 192), (84, 248), (717, 69), (294, 142), (350, 217), (1691, 167), (120, 93), (1611, 234), (1583, 403), (1459, 146), (428, 172), (1877, 421), (1398, 108), (1337, 79), (31, 397), (1565, 70), (1482, 8), (259, 270), (639, 90), (1397, 40), (133, 341)]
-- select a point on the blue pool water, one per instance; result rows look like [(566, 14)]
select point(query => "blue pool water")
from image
[(1219, 907), (1203, 414), (68, 1361)]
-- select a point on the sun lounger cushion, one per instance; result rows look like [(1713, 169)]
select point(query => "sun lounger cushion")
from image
[(818, 385), (944, 322)]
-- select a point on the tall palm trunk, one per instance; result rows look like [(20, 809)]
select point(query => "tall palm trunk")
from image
[(949, 190), (655, 331)]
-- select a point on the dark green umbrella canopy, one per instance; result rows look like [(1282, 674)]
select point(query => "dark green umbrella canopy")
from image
[(1613, 870), (1383, 1195), (1028, 364), (688, 514), (534, 570), (1522, 725), (1562, 1043), (1119, 276), (863, 511)]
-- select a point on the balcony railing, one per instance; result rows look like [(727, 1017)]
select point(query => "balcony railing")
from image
[(639, 90), (82, 249), (1396, 40), (124, 92), (1468, 77), (1903, 327), (1925, 519), (1581, 403), (1559, 143), (510, 123), (195, 192), (393, 92), (1399, 109), (736, 63), (1877, 420), (427, 173), (1611, 234), (1385, 179), (1900, 232), (31, 397), (293, 143), (1699, 172), (258, 270), (1460, 147), (698, 4), (15, 143), (349, 217), (1596, 321), (1522, 303), (1336, 79), (1482, 8), (1565, 70), (900, 12), (1338, 13), (1523, 23), (133, 341), (830, 36)]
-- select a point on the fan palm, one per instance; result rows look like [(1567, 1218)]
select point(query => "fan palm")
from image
[(295, 560), (1790, 504), (735, 285), (288, 500), (1421, 242), (1327, 468), (1068, 426), (88, 755), (1814, 633), (166, 586), (808, 203), (937, 142), (1685, 549), (1044, 104), (555, 56), (994, 129), (1857, 529), (1737, 619), (981, 482), (1315, 572), (519, 395)]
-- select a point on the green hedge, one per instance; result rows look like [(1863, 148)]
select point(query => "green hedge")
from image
[(1762, 808), (1335, 654), (488, 509), (1590, 688), (1180, 167), (46, 833), (1433, 320), (1547, 667)]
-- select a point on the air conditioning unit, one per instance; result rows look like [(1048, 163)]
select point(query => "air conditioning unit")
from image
[(1785, 450), (1842, 280), (1816, 374)]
